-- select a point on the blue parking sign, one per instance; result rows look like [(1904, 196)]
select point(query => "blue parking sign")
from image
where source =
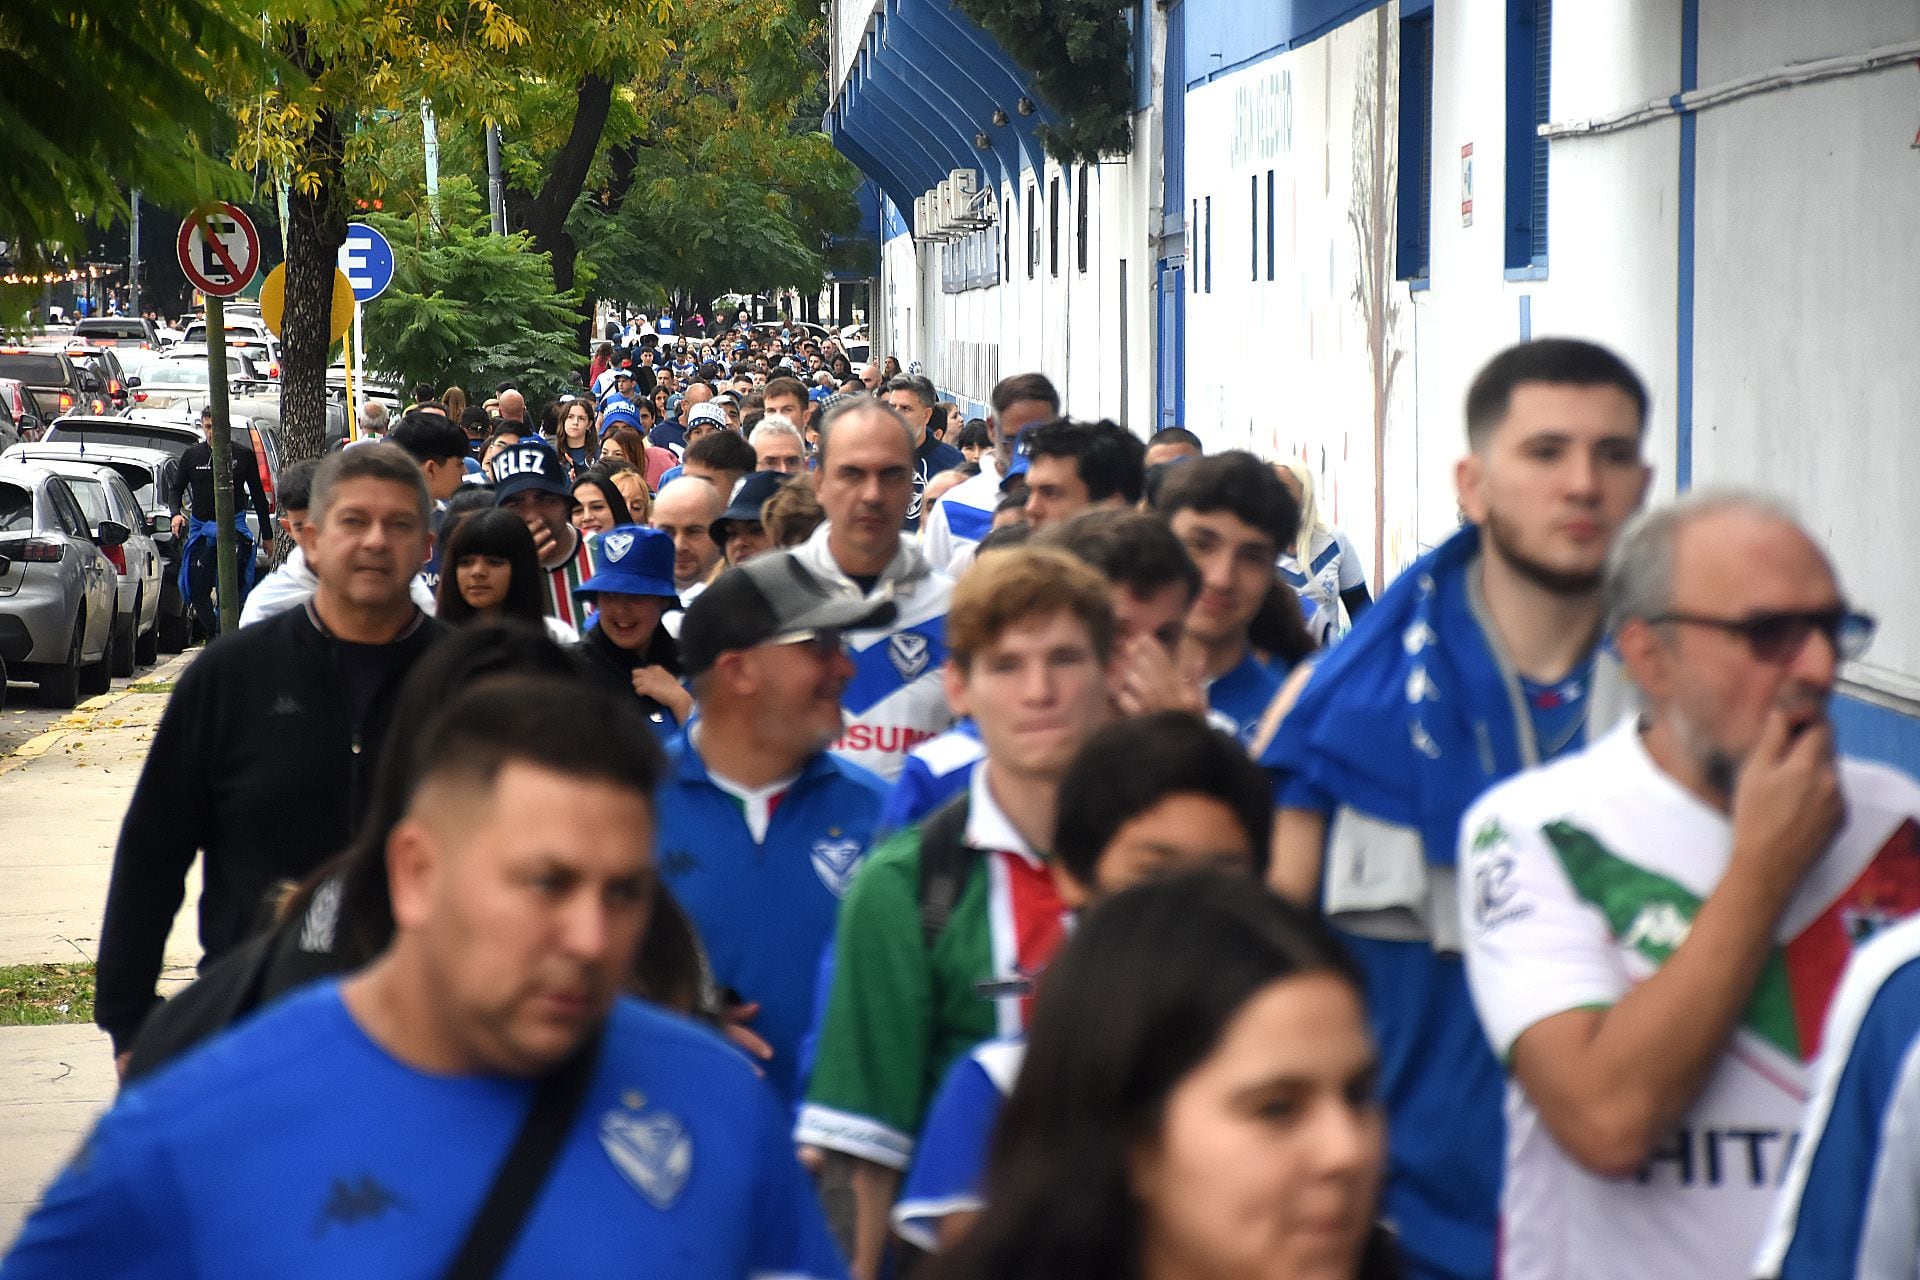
[(366, 259)]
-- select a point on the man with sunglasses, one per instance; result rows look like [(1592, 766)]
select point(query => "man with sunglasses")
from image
[(761, 828), (1655, 925)]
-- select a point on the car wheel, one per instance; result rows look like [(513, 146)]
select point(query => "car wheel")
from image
[(60, 686), (146, 646), (120, 645)]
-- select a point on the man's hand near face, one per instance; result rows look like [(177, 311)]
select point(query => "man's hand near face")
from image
[(1148, 679)]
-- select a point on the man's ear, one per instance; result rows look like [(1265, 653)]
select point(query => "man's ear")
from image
[(414, 857), (1647, 657), (953, 678), (1469, 486)]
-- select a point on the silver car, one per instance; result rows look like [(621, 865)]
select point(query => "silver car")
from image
[(58, 590), (103, 495)]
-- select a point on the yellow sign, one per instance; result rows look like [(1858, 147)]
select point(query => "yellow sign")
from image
[(273, 302)]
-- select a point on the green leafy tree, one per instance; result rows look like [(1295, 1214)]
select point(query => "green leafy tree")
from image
[(102, 97), (466, 307)]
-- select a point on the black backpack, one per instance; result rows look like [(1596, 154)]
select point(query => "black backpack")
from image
[(946, 862)]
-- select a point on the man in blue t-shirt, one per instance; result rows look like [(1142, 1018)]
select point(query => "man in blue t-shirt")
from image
[(761, 829), (1233, 515), (356, 1127), (1483, 658)]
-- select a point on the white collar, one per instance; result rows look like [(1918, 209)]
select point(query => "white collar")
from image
[(988, 826)]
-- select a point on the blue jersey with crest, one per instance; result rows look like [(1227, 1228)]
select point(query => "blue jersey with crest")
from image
[(295, 1146)]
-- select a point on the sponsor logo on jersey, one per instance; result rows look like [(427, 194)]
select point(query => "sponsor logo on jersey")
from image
[(351, 1201)]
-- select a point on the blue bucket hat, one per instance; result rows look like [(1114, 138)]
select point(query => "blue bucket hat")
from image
[(631, 560), (620, 415)]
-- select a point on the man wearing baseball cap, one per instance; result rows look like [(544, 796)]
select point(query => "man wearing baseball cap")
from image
[(626, 648), (531, 481), (761, 828)]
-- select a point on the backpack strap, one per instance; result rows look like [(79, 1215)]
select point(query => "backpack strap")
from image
[(517, 1184), (946, 860)]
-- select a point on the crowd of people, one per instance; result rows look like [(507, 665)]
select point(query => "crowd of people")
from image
[(752, 820)]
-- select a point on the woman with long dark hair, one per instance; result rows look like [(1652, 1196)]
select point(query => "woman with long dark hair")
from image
[(490, 572), (1197, 1100), (600, 505), (575, 439)]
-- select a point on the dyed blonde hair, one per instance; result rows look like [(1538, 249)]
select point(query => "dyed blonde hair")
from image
[(1310, 522)]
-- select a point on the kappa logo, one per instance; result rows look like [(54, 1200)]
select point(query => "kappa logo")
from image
[(351, 1201), (617, 545), (909, 652), (652, 1151), (1660, 926), (835, 861)]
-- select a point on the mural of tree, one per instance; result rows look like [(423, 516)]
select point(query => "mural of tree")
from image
[(1371, 215)]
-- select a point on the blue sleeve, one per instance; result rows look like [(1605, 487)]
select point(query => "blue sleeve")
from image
[(908, 799), (104, 1215), (950, 1163), (1838, 1216), (1295, 792), (791, 1239), (810, 1042)]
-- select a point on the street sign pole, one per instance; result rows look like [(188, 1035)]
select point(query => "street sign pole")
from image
[(228, 554), (360, 348)]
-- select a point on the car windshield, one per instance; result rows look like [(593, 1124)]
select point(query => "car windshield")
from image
[(178, 373), (16, 509), (140, 480), (128, 433)]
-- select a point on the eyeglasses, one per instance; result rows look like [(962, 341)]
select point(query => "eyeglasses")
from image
[(1779, 637)]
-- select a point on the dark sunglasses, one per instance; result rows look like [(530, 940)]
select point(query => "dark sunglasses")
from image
[(1779, 637)]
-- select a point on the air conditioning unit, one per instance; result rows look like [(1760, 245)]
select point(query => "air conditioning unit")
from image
[(966, 214)]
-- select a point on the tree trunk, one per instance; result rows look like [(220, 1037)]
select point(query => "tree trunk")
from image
[(316, 228), (544, 216)]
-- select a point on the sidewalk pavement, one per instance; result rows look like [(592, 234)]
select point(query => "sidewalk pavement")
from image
[(62, 795)]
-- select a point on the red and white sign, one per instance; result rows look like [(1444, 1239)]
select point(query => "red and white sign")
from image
[(219, 249)]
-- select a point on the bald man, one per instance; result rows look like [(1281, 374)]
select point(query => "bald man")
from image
[(685, 510), (870, 378), (513, 407)]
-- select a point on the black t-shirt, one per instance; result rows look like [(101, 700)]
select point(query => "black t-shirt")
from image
[(195, 481)]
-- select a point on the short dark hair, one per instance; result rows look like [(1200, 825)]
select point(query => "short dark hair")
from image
[(422, 392), (380, 461), (723, 451), (1165, 754), (552, 722), (1019, 387), (474, 418), (1132, 548), (1568, 361), (784, 386), (491, 533), (1176, 435), (1235, 482), (920, 388), (429, 437), (1110, 460), (295, 489), (469, 497)]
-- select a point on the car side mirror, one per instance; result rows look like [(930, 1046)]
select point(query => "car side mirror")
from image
[(111, 533), (133, 380)]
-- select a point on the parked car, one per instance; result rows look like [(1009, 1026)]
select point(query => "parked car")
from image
[(54, 381), (57, 587), (149, 474), (17, 407), (103, 363), (177, 435), (113, 331), (103, 497), (265, 411)]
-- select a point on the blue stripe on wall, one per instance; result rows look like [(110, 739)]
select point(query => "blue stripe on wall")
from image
[(1874, 732), (1683, 346)]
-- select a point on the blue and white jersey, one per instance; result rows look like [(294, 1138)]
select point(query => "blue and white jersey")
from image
[(295, 1146), (1332, 566), (935, 772), (896, 699), (761, 877), (1241, 696), (1850, 1205), (950, 1163), (961, 518)]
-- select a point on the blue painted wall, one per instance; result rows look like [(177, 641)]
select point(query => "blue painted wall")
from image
[(1223, 35), (1874, 732)]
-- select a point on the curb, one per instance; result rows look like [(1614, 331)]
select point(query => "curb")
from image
[(85, 715)]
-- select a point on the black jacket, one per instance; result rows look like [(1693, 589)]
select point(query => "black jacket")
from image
[(612, 667), (263, 761)]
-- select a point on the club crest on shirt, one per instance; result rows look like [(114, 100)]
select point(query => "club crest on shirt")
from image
[(908, 651), (617, 545), (835, 861), (652, 1151)]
